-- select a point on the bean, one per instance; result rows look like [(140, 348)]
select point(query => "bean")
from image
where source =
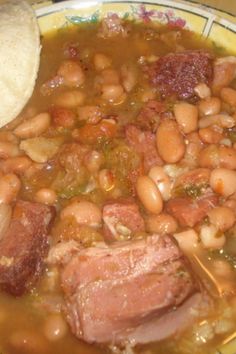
[(93, 161), (223, 181), (161, 224), (33, 127), (55, 327), (222, 217), (209, 106), (162, 181), (148, 94), (228, 95), (129, 77), (10, 185), (211, 135), (5, 218), (210, 237), (224, 72), (106, 180), (186, 115), (187, 240), (101, 61), (90, 114), (230, 203), (46, 196), (8, 149), (202, 90), (113, 93), (193, 147), (70, 99), (214, 156), (18, 164), (223, 120), (169, 141), (85, 213), (72, 73), (149, 194)]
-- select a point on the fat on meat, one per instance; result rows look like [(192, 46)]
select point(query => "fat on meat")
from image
[(24, 246), (113, 294)]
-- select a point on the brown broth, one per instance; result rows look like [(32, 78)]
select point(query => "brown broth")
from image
[(28, 313)]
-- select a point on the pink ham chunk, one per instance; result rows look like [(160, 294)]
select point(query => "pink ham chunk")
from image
[(122, 219), (113, 294)]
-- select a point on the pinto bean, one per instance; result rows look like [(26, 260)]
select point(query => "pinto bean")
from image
[(70, 99), (85, 213), (202, 90), (46, 196), (55, 327), (101, 61), (169, 141), (222, 217), (8, 149), (187, 240), (224, 72), (223, 120), (33, 127), (161, 224), (149, 194), (106, 179), (7, 136), (211, 135), (228, 95), (210, 237), (18, 164), (91, 114), (223, 181), (93, 160), (209, 106), (71, 73), (162, 181), (214, 156), (113, 93), (10, 185), (186, 115), (129, 77)]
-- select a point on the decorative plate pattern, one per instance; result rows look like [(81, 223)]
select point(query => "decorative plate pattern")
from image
[(217, 25)]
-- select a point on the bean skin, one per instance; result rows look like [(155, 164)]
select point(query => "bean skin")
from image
[(161, 224), (186, 115), (214, 156), (46, 196), (18, 164), (162, 181), (72, 73), (223, 181), (170, 142), (228, 95), (85, 213), (101, 61), (70, 99), (222, 217), (34, 126), (10, 185), (209, 106), (149, 194)]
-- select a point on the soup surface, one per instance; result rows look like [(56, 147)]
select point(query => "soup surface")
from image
[(130, 134)]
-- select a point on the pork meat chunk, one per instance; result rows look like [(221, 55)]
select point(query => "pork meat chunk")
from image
[(114, 293), (24, 246), (177, 74)]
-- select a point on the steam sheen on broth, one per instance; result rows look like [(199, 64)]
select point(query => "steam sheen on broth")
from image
[(78, 142)]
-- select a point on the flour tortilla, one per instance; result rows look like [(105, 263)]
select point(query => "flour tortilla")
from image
[(19, 57)]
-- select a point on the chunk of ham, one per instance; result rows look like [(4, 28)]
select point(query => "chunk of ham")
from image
[(24, 246), (117, 294), (177, 74), (144, 143), (190, 211), (121, 219)]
